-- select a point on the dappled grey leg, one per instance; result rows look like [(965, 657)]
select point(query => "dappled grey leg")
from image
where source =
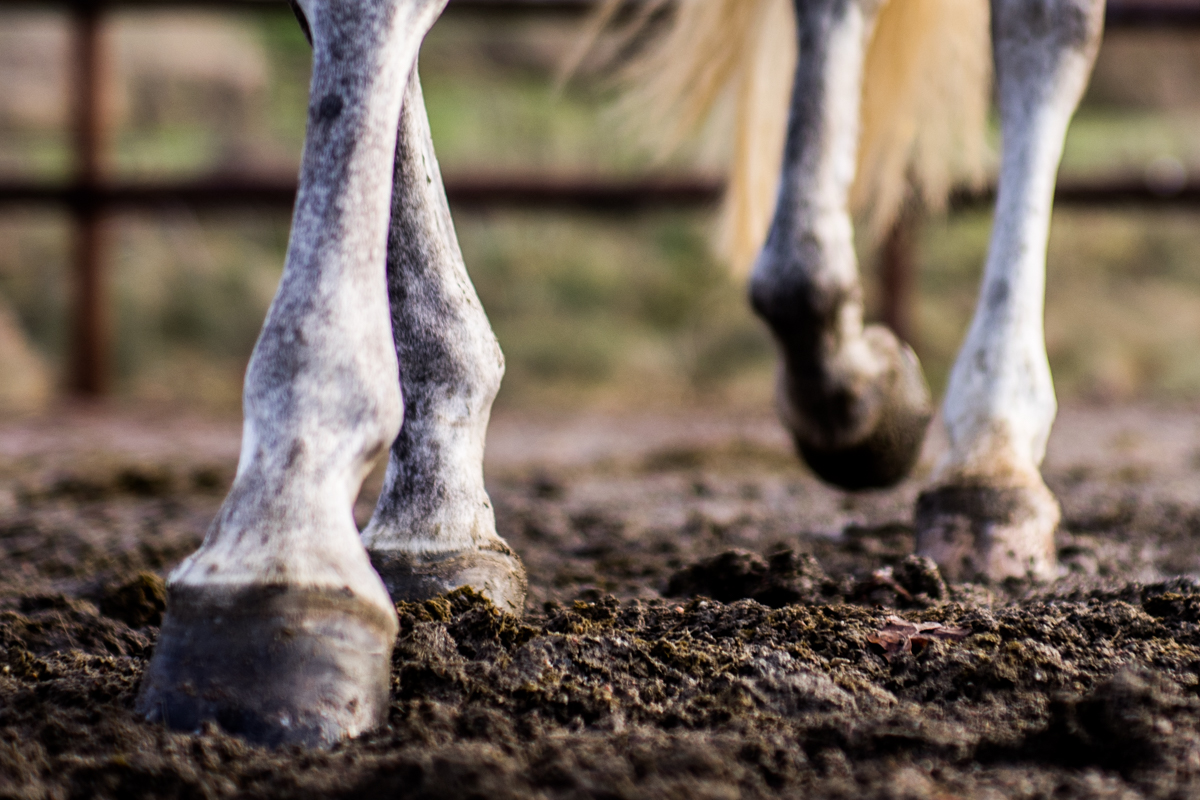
[(854, 398), (988, 512), (277, 628), (433, 529)]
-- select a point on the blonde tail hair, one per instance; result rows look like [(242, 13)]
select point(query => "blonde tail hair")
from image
[(925, 98)]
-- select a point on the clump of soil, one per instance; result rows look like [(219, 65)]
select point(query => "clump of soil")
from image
[(786, 576), (782, 578), (700, 627), (1089, 697), (138, 602)]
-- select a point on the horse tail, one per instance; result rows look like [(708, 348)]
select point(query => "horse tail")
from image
[(926, 95), (730, 64)]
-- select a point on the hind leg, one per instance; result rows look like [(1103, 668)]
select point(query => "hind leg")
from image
[(433, 529), (988, 512), (853, 397)]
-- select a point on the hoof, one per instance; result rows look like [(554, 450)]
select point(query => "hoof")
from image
[(888, 451), (976, 531), (272, 665), (497, 574)]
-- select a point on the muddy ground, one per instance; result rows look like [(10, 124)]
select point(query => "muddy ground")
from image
[(700, 625)]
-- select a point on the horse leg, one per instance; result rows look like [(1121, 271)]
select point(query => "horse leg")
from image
[(277, 628), (433, 529), (988, 512), (854, 398)]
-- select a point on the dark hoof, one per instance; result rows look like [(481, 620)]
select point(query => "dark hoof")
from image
[(272, 665), (978, 531), (497, 574), (888, 452)]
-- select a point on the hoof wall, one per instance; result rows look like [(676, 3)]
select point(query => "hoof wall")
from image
[(272, 665), (883, 459), (497, 574), (887, 454), (989, 532)]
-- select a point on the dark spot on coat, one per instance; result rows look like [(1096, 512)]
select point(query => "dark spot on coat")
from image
[(998, 295), (330, 107)]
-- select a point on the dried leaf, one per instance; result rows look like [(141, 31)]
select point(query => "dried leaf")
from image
[(901, 636)]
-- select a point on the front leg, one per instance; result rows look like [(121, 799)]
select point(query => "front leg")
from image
[(989, 513), (434, 529), (277, 628), (854, 398)]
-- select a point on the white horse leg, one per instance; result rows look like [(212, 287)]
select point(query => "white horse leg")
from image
[(433, 529), (277, 628), (989, 513), (854, 398)]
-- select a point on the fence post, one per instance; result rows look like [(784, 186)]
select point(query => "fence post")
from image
[(89, 320), (897, 275)]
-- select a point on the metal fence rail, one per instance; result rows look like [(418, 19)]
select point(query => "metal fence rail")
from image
[(89, 197), (548, 193), (595, 195)]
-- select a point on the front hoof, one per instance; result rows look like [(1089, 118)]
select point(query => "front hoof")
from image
[(975, 530), (273, 665), (496, 573), (885, 455)]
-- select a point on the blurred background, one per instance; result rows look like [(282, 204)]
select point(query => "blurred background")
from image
[(603, 311)]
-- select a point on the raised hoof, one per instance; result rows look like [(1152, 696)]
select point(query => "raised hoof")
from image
[(887, 453), (272, 665), (978, 531), (496, 573)]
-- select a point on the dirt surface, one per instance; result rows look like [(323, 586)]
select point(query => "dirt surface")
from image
[(705, 621)]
